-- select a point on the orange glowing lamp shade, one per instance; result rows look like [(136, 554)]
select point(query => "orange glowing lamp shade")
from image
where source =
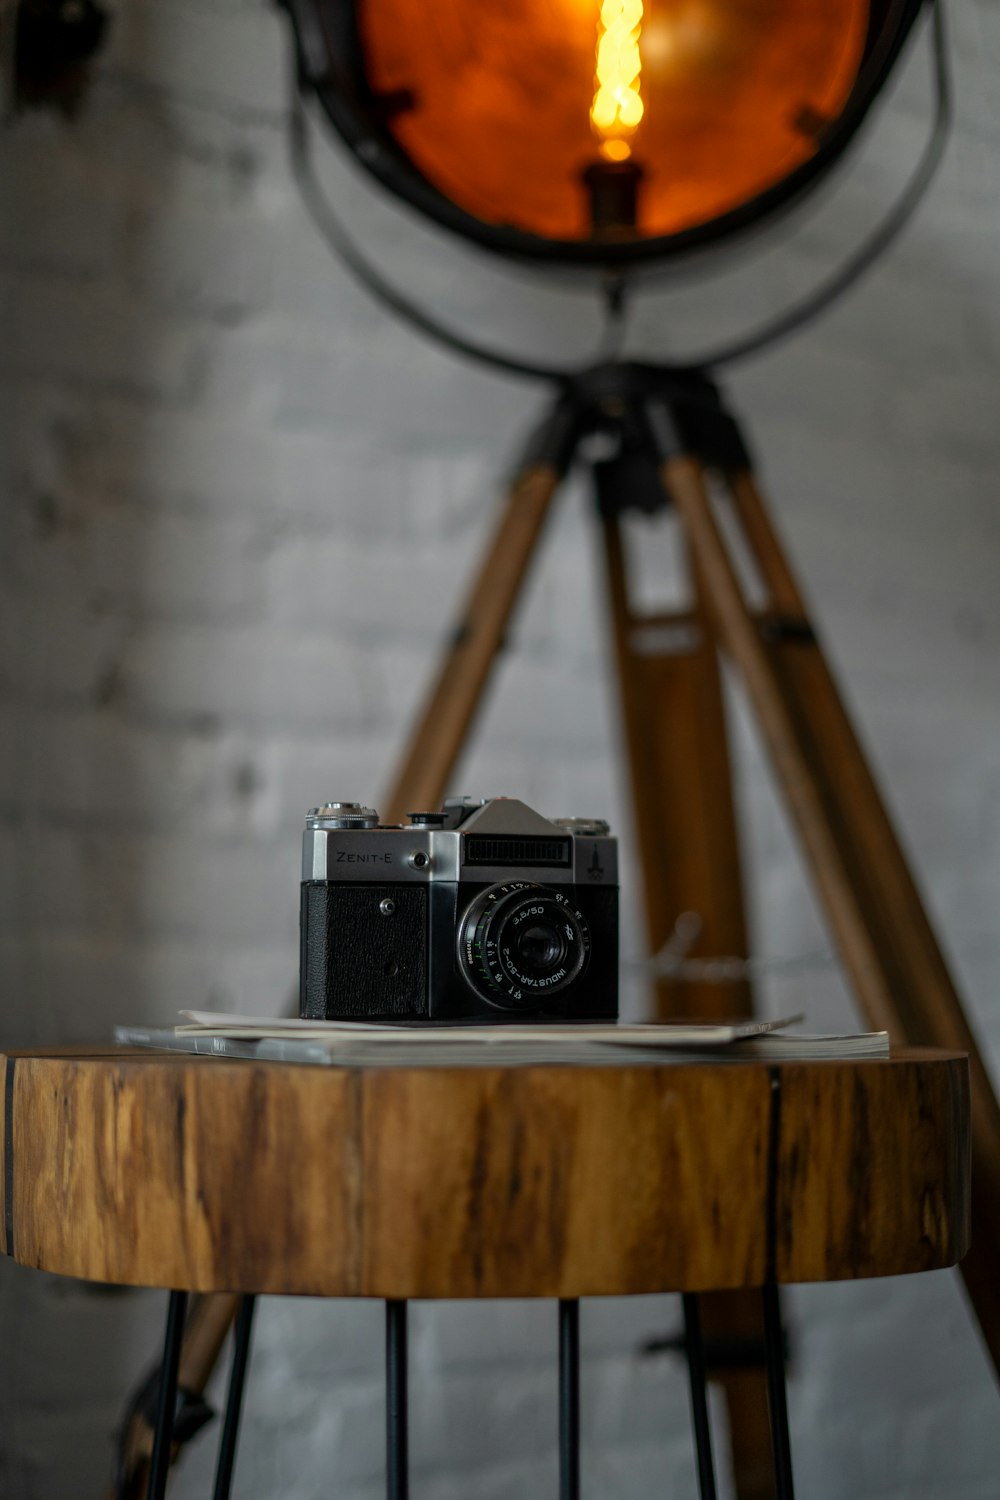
[(714, 99), (499, 116)]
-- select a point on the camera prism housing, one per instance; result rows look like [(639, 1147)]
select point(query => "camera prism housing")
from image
[(484, 911)]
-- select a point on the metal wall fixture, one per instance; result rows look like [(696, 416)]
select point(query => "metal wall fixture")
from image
[(46, 47)]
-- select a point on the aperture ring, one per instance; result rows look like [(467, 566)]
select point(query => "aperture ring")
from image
[(506, 928)]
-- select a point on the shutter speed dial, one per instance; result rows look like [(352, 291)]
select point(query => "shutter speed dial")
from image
[(337, 815), (520, 942)]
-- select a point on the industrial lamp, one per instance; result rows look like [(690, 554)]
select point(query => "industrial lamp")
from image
[(588, 132), (608, 133)]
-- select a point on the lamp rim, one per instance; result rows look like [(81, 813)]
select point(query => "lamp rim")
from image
[(331, 60)]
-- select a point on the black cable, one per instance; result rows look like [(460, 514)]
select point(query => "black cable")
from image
[(771, 332)]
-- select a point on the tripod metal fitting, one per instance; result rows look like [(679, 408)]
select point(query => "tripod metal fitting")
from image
[(651, 414)]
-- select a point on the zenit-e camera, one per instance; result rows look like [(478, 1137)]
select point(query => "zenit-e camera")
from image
[(484, 911)]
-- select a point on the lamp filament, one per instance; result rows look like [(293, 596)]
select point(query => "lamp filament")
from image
[(617, 107)]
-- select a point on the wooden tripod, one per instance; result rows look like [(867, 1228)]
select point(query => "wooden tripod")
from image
[(673, 435)]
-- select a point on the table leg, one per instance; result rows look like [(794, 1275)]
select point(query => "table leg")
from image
[(695, 1351), (569, 1400), (777, 1400), (166, 1404), (397, 1462), (234, 1399)]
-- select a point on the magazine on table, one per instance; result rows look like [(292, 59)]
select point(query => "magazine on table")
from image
[(367, 1044)]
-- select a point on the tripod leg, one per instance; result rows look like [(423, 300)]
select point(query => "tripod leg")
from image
[(446, 718), (681, 783), (740, 636), (681, 778), (872, 903)]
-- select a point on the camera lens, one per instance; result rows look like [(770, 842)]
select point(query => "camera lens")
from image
[(540, 948), (520, 943)]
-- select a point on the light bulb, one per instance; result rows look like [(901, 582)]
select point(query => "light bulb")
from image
[(617, 106)]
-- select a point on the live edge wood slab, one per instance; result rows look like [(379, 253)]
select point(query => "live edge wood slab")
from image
[(217, 1175)]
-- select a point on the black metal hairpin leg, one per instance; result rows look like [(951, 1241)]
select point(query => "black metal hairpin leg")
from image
[(569, 1400), (234, 1400), (777, 1400), (695, 1351), (397, 1461), (166, 1404)]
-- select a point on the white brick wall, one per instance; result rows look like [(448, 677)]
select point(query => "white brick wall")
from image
[(236, 503)]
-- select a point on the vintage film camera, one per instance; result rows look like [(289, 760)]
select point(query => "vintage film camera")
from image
[(485, 911)]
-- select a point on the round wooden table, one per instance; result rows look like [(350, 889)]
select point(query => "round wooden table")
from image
[(206, 1174)]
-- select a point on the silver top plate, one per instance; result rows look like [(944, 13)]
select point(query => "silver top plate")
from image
[(385, 856)]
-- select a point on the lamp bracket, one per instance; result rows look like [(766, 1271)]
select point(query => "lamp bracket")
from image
[(651, 413), (312, 53)]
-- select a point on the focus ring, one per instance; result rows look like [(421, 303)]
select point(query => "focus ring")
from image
[(522, 942)]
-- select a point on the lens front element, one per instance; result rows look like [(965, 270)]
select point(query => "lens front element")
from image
[(521, 942), (541, 948)]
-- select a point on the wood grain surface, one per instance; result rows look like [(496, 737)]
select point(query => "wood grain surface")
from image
[(217, 1175), (857, 1134)]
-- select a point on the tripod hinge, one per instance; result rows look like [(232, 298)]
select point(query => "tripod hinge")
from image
[(696, 423)]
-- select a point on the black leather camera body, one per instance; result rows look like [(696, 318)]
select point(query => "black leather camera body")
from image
[(485, 911)]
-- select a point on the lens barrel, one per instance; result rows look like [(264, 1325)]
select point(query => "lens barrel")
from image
[(520, 942)]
